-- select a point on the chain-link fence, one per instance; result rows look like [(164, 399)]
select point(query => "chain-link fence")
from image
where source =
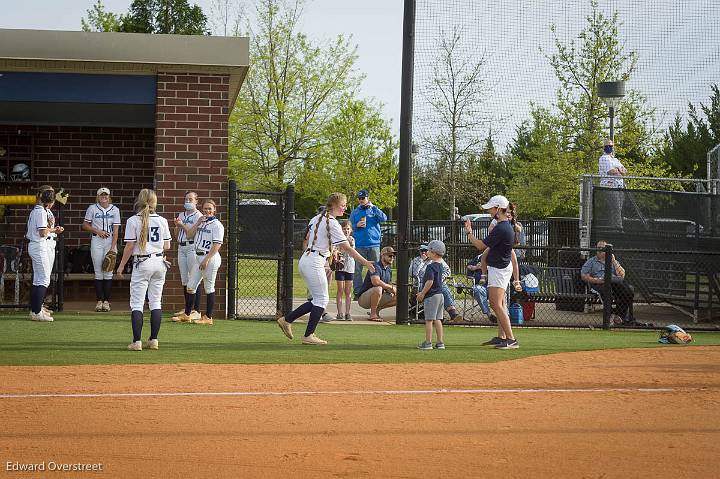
[(260, 265)]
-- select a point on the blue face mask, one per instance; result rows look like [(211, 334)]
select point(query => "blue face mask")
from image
[(608, 149), (189, 206)]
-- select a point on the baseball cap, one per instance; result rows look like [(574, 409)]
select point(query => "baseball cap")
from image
[(423, 247), (102, 190), (388, 250), (437, 247), (363, 194), (497, 201)]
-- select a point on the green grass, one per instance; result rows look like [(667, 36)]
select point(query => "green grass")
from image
[(101, 339)]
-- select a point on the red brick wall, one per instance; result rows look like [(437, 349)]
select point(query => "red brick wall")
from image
[(191, 154), (80, 159)]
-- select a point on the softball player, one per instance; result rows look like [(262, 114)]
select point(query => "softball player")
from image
[(41, 231), (208, 233), (325, 232), (186, 252), (147, 236), (102, 219)]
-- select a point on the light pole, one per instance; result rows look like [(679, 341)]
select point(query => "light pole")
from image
[(611, 93)]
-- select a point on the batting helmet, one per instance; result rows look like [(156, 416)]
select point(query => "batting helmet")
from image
[(20, 172)]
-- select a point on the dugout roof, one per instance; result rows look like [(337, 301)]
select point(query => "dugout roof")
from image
[(49, 76)]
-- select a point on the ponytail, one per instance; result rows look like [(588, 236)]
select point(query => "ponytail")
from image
[(145, 205), (45, 195)]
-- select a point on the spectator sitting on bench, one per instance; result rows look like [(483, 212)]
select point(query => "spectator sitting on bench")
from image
[(377, 291), (593, 273), (479, 290)]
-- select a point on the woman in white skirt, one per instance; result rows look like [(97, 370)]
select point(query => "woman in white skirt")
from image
[(500, 269), (147, 237), (323, 234), (42, 233), (102, 219)]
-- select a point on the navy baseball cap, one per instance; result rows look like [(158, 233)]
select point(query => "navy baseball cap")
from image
[(363, 194)]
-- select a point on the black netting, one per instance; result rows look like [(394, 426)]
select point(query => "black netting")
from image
[(652, 219)]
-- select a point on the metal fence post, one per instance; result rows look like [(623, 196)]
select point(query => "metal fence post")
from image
[(232, 250), (288, 253), (607, 285)]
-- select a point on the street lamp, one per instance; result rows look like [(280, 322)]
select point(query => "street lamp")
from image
[(414, 149), (611, 93)]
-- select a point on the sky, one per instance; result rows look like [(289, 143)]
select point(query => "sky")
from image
[(375, 27), (677, 47)]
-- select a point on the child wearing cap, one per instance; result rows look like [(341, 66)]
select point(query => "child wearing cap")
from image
[(102, 219), (431, 296)]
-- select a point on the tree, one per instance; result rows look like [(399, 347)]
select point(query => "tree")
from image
[(101, 21), (560, 144), (292, 91), (149, 16), (686, 145), (455, 97), (226, 17), (358, 152)]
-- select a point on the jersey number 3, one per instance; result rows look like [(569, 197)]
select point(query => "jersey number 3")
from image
[(154, 235)]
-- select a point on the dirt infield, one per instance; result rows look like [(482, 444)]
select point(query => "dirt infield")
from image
[(652, 413)]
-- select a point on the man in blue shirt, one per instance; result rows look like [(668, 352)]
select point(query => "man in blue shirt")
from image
[(593, 273), (377, 291), (365, 221)]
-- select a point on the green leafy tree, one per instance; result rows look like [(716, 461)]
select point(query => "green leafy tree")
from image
[(686, 144), (560, 144), (292, 91), (101, 21), (149, 16), (358, 152)]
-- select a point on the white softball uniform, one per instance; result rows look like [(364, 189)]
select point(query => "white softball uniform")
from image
[(148, 275), (104, 219), (38, 247), (51, 242), (312, 262), (186, 247), (206, 235)]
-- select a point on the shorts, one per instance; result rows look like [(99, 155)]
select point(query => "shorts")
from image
[(364, 299), (343, 276), (433, 306), (499, 277)]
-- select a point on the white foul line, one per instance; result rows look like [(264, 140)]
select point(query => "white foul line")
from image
[(322, 393)]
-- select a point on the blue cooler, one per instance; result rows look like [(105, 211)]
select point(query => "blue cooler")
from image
[(516, 313)]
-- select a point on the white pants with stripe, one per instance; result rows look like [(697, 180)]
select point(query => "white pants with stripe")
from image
[(41, 265), (186, 261), (148, 276), (206, 275), (312, 269), (98, 249)]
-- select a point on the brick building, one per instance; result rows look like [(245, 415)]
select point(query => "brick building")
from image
[(126, 111)]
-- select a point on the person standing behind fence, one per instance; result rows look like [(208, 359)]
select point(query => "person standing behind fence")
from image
[(41, 230), (324, 233), (186, 253), (344, 276), (147, 237), (208, 233), (610, 166), (365, 221), (500, 241), (102, 219)]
